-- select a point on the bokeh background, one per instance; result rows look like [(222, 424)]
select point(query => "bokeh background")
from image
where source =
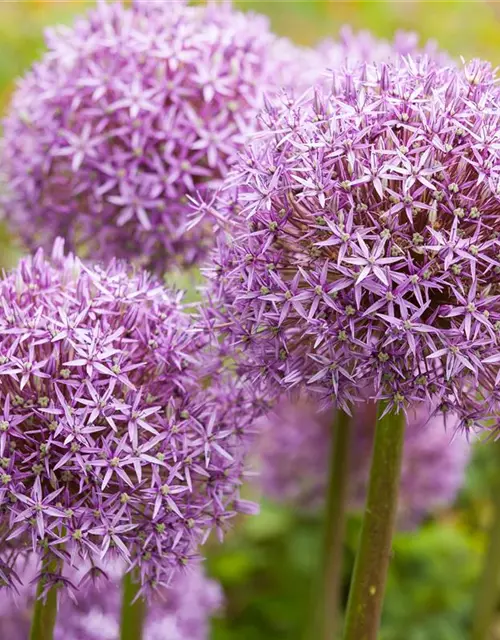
[(268, 562)]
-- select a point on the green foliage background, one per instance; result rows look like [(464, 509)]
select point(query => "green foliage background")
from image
[(267, 563)]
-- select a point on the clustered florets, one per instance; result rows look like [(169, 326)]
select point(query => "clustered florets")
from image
[(93, 613), (129, 113), (367, 251), (120, 434), (293, 448)]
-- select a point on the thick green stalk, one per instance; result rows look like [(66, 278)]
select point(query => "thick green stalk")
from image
[(132, 613), (331, 569), (366, 595), (487, 594), (44, 610)]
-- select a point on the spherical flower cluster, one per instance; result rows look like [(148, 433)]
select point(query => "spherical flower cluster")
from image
[(293, 447), (119, 434), (182, 612), (129, 114), (368, 251)]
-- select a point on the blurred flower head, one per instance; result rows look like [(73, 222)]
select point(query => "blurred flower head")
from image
[(93, 613), (130, 113), (120, 432), (293, 448), (351, 48), (367, 252)]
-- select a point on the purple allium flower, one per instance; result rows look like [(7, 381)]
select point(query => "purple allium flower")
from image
[(293, 447), (182, 611), (367, 253), (120, 434), (128, 114)]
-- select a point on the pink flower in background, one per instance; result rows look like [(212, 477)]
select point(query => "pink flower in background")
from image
[(293, 449), (351, 48), (182, 611)]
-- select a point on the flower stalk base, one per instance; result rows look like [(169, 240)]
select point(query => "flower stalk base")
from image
[(488, 587), (331, 569), (133, 609), (45, 608), (374, 551)]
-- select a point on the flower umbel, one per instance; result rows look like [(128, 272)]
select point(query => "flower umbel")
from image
[(367, 254), (111, 440), (130, 112)]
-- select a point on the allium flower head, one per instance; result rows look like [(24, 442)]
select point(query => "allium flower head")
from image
[(112, 440), (294, 443), (129, 113), (367, 253), (182, 612)]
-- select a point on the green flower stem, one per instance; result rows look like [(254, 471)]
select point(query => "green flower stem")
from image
[(366, 595), (488, 588), (45, 610), (331, 569), (132, 613)]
